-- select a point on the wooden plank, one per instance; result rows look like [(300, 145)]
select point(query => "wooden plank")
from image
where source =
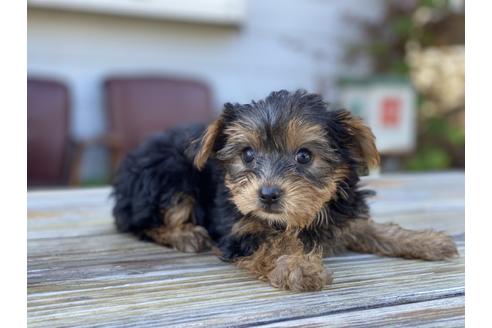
[(82, 273), (445, 312), (183, 289)]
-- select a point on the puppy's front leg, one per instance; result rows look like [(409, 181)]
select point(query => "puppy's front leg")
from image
[(299, 272), (280, 259)]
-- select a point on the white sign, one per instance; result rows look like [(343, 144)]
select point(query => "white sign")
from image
[(389, 109)]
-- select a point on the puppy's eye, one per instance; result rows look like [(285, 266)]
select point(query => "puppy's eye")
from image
[(248, 154), (303, 156)]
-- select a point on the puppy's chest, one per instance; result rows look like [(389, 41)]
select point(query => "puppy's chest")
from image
[(322, 235)]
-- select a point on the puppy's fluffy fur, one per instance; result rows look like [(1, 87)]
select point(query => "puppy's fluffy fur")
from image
[(272, 185)]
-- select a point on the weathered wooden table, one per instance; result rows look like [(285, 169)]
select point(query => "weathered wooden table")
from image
[(81, 272)]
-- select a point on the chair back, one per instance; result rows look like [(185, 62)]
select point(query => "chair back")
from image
[(140, 106), (48, 135)]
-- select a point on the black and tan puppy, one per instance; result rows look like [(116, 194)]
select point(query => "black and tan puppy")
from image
[(272, 184)]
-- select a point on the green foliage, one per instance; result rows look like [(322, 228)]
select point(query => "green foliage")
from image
[(97, 182), (402, 26), (429, 158), (438, 127), (441, 140)]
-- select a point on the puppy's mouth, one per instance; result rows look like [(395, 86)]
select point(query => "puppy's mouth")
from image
[(270, 209), (268, 214)]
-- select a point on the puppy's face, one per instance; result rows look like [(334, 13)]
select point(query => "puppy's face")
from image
[(281, 169), (285, 157)]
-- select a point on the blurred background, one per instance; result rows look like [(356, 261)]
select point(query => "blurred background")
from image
[(105, 74)]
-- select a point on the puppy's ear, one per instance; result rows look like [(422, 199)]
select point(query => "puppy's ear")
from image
[(207, 141), (212, 139), (359, 138)]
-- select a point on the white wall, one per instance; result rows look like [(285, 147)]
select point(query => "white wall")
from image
[(283, 44)]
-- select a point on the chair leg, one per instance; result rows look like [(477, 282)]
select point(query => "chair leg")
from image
[(75, 163)]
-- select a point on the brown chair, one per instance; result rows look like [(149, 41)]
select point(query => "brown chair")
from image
[(140, 106), (52, 156)]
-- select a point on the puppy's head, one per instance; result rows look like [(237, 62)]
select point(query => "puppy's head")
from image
[(286, 156)]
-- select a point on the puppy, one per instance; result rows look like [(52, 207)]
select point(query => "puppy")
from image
[(272, 185)]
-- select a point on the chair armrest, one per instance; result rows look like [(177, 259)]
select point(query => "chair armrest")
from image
[(112, 142)]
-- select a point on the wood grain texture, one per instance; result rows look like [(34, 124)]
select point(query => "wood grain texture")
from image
[(81, 272)]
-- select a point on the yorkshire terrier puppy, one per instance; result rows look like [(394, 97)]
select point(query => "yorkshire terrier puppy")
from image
[(271, 185)]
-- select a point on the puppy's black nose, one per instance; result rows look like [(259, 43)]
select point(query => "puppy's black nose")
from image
[(269, 195)]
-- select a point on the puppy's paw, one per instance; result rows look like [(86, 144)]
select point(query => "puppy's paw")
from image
[(192, 239), (439, 246), (301, 273)]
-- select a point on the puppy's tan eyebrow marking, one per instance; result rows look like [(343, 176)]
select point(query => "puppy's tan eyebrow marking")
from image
[(242, 134), (299, 133)]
